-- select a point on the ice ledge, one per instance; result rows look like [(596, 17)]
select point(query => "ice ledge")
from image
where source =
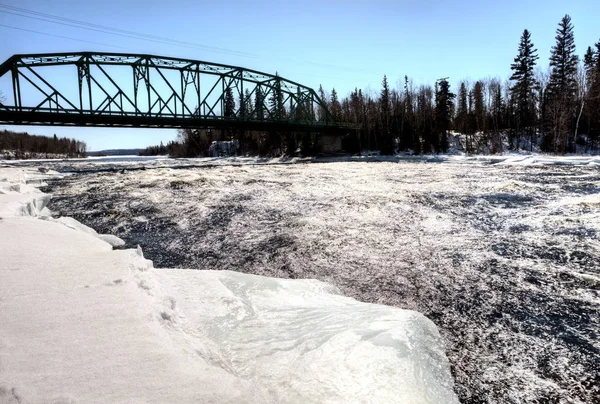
[(305, 343), (84, 323)]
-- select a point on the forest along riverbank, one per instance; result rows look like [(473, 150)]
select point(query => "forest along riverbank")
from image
[(503, 258)]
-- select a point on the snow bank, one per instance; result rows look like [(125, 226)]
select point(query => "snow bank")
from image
[(509, 159), (81, 322), (19, 194)]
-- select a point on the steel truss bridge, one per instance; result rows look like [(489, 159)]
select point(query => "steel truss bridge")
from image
[(128, 90)]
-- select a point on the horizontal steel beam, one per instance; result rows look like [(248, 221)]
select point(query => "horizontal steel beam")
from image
[(37, 118)]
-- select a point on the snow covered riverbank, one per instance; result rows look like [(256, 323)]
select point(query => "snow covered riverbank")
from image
[(83, 323)]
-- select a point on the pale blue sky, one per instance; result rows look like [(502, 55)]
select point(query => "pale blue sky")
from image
[(341, 44)]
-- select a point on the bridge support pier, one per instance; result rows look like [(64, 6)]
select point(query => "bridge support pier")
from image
[(330, 143)]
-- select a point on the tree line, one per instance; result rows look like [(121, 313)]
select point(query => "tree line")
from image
[(554, 109), (23, 145), (15, 145), (171, 149)]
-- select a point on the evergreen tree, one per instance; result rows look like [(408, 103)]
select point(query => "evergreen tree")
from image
[(592, 70), (407, 133), (322, 113), (593, 98), (396, 118), (334, 106), (462, 114), (259, 104), (424, 120), (589, 61), (246, 104), (276, 107), (229, 103), (562, 89), (385, 110), (444, 105), (355, 116), (244, 112), (523, 89), (497, 113), (479, 111), (471, 120), (563, 60)]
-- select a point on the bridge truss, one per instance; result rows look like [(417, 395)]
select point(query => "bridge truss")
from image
[(128, 90)]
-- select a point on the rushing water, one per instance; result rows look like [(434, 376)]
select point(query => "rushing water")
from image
[(504, 259)]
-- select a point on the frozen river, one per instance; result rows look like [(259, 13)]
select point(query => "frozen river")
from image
[(505, 259)]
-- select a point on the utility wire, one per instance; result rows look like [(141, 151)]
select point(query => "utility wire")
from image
[(127, 34), (27, 13), (118, 30), (60, 36)]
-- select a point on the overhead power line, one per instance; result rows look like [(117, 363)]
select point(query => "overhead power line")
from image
[(60, 36), (21, 12), (70, 22)]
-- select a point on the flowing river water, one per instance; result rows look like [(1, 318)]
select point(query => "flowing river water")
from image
[(504, 259)]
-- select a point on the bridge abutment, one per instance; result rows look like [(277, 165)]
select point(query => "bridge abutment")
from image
[(330, 143)]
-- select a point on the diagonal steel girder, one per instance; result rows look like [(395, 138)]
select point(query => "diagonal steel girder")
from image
[(116, 89)]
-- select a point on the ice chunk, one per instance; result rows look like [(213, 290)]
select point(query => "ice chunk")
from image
[(75, 225), (307, 345), (114, 241)]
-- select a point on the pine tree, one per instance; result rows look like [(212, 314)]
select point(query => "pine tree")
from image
[(335, 106), (593, 97), (589, 61), (229, 103), (592, 69), (597, 60), (245, 112), (471, 119), (444, 105), (460, 121), (246, 104), (562, 89), (407, 133), (523, 89), (563, 60), (385, 109), (497, 112), (276, 107), (479, 110), (424, 124), (322, 112), (258, 104)]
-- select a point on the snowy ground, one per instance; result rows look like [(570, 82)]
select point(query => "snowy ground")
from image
[(501, 253), (81, 322)]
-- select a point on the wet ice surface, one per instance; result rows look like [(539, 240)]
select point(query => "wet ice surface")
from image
[(503, 258)]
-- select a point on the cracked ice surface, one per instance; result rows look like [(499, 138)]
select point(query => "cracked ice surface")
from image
[(504, 258)]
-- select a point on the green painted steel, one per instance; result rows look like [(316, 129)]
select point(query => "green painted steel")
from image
[(128, 90)]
